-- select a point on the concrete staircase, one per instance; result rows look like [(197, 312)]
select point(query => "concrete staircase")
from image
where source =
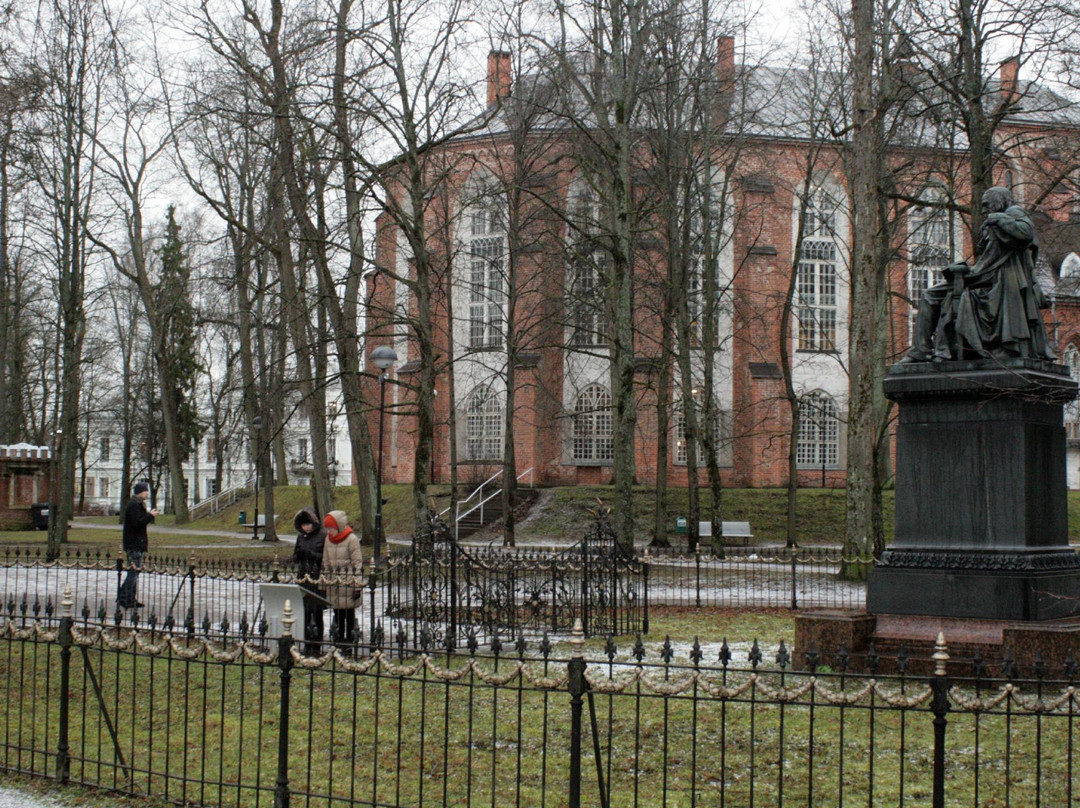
[(482, 507), (474, 520)]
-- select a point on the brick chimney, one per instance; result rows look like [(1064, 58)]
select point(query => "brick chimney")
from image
[(1007, 78), (498, 77), (725, 78)]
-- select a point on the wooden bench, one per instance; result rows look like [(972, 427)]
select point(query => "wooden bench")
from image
[(734, 533)]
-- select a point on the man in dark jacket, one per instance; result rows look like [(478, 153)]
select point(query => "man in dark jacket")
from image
[(136, 518)]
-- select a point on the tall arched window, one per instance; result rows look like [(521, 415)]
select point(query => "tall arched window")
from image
[(586, 304), (1072, 409), (484, 425), (593, 425), (819, 431), (929, 245), (484, 241), (817, 273), (721, 437)]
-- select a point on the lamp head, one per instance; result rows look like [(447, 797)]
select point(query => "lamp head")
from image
[(383, 357)]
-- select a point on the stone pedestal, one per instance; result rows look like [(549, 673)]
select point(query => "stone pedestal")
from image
[(981, 526), (1053, 645)]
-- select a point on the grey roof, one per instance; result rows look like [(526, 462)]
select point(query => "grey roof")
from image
[(772, 102)]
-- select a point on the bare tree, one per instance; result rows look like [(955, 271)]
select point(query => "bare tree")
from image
[(71, 47)]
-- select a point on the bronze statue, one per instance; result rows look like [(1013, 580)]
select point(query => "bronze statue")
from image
[(990, 309)]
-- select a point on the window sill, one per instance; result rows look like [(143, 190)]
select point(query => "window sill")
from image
[(591, 463), (681, 464)]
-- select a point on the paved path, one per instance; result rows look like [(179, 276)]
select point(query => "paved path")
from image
[(12, 798), (154, 530)]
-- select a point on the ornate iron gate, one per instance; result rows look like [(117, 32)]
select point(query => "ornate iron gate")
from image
[(447, 596)]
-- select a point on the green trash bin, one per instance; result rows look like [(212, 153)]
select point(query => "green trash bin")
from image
[(243, 517)]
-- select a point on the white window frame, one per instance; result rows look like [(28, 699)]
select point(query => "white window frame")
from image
[(593, 427), (586, 299), (484, 248), (484, 425), (1071, 358), (929, 243), (819, 432), (721, 437), (817, 298)]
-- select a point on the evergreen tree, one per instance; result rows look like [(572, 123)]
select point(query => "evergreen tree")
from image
[(178, 319)]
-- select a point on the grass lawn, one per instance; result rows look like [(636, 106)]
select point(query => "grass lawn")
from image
[(417, 735)]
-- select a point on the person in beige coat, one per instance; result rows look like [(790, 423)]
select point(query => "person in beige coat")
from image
[(343, 564)]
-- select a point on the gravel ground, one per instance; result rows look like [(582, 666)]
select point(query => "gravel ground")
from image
[(12, 798)]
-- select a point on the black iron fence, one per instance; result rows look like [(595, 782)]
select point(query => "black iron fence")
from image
[(229, 717), (455, 595), (450, 593), (756, 578)]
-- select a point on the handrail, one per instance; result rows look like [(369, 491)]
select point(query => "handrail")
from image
[(484, 500), (217, 502)]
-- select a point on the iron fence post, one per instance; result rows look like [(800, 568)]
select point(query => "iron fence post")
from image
[(585, 569), (285, 663), (453, 594), (645, 565), (697, 577), (191, 582), (63, 758), (576, 671), (940, 707), (371, 601), (794, 582)]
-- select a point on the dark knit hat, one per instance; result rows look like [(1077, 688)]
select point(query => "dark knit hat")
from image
[(140, 487)]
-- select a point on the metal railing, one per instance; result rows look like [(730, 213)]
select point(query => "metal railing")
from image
[(481, 499), (221, 501), (230, 717), (515, 589)]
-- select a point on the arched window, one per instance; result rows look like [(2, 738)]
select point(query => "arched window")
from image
[(817, 271), (708, 237), (721, 437), (1072, 409), (593, 425), (484, 425), (586, 304), (819, 432), (929, 245), (484, 240)]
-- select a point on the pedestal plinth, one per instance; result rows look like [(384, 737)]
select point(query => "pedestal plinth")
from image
[(981, 527)]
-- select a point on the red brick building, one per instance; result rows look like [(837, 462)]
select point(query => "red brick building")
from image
[(782, 178), (25, 477)]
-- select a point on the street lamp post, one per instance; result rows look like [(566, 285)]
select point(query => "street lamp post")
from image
[(54, 483), (256, 422), (383, 358)]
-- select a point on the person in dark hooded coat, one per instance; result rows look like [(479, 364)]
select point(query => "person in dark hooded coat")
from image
[(308, 556)]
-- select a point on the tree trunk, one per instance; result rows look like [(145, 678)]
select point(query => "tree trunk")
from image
[(867, 294)]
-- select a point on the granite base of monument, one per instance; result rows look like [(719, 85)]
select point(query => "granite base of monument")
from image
[(980, 552), (976, 647), (981, 513)]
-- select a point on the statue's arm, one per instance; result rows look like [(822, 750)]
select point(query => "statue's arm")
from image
[(1013, 231)]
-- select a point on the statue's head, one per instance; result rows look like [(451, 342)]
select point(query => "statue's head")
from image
[(996, 199)]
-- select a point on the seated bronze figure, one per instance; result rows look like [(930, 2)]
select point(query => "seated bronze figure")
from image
[(992, 308)]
